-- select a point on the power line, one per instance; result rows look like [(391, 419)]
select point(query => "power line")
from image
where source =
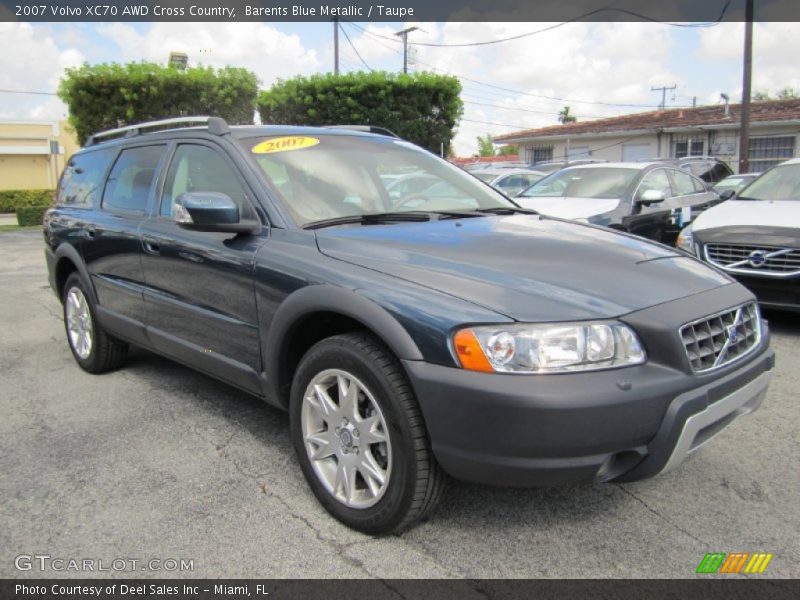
[(27, 92), (349, 41), (505, 89), (541, 112), (576, 19)]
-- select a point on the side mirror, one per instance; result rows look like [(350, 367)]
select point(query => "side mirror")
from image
[(210, 211), (727, 194), (649, 197)]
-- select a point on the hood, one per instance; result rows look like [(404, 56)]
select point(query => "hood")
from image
[(568, 208), (528, 268), (770, 214)]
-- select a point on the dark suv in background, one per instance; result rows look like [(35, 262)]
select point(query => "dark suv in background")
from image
[(407, 335), (709, 169)]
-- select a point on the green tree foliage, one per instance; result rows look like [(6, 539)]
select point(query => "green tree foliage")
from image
[(507, 150), (420, 107), (565, 116), (787, 93), (11, 200), (106, 96), (485, 145), (30, 215)]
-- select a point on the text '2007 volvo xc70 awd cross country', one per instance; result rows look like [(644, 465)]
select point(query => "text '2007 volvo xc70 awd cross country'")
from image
[(441, 332)]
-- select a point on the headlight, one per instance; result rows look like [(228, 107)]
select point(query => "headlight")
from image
[(548, 348), (686, 240)]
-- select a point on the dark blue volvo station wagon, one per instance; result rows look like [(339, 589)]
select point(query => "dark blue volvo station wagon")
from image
[(410, 337)]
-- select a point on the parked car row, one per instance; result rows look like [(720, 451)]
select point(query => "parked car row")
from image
[(652, 200), (754, 236), (413, 321)]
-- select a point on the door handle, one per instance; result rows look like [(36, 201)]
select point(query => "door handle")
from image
[(90, 232), (152, 247)]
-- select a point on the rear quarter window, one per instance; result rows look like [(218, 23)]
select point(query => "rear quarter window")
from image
[(82, 178)]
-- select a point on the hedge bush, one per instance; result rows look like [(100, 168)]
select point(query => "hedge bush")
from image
[(30, 215), (107, 96), (420, 107), (11, 200)]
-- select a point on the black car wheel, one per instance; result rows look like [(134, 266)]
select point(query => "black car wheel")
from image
[(94, 350), (360, 438)]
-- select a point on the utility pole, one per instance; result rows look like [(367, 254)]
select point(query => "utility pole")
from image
[(663, 91), (404, 34), (744, 130), (336, 45)]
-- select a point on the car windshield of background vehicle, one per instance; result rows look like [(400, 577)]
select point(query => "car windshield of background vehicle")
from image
[(487, 177), (780, 183), (731, 183), (335, 176), (609, 182)]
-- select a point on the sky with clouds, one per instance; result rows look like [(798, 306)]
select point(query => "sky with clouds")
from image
[(598, 69)]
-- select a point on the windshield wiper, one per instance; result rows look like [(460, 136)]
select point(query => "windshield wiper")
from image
[(507, 210), (371, 219), (415, 216)]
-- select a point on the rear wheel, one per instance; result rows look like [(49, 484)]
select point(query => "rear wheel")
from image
[(94, 350), (360, 438)]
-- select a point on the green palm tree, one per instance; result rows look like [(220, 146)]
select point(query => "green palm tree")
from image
[(565, 117)]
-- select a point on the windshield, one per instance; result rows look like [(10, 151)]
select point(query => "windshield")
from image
[(780, 183), (483, 176), (611, 182), (321, 177)]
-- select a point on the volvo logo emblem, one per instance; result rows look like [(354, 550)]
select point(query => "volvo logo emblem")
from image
[(732, 335), (757, 258)]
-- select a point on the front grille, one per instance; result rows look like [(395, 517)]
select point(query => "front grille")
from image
[(757, 260), (720, 339)]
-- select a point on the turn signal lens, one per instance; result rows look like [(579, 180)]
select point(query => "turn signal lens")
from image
[(469, 352)]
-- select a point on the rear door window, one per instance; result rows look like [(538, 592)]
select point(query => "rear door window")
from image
[(82, 179), (130, 180)]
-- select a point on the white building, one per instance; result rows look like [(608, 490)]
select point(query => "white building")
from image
[(676, 133)]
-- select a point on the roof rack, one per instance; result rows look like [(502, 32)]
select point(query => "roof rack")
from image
[(216, 126), (366, 129)]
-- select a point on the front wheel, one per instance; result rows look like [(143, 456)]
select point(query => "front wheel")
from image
[(360, 438)]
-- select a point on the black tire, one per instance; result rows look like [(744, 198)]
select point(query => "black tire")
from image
[(106, 352), (416, 481)]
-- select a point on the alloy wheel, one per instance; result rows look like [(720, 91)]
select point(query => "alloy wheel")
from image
[(346, 438)]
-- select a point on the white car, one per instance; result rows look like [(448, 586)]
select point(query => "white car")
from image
[(755, 236), (510, 181)]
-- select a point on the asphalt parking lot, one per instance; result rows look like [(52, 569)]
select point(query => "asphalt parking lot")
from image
[(157, 461)]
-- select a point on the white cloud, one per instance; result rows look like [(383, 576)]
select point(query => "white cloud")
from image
[(776, 46), (258, 47), (593, 62), (36, 64), (613, 63)]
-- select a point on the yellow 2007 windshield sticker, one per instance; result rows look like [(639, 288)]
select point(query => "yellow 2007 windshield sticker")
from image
[(283, 144)]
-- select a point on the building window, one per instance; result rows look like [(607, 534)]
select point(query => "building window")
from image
[(685, 146), (766, 152), (539, 154)]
